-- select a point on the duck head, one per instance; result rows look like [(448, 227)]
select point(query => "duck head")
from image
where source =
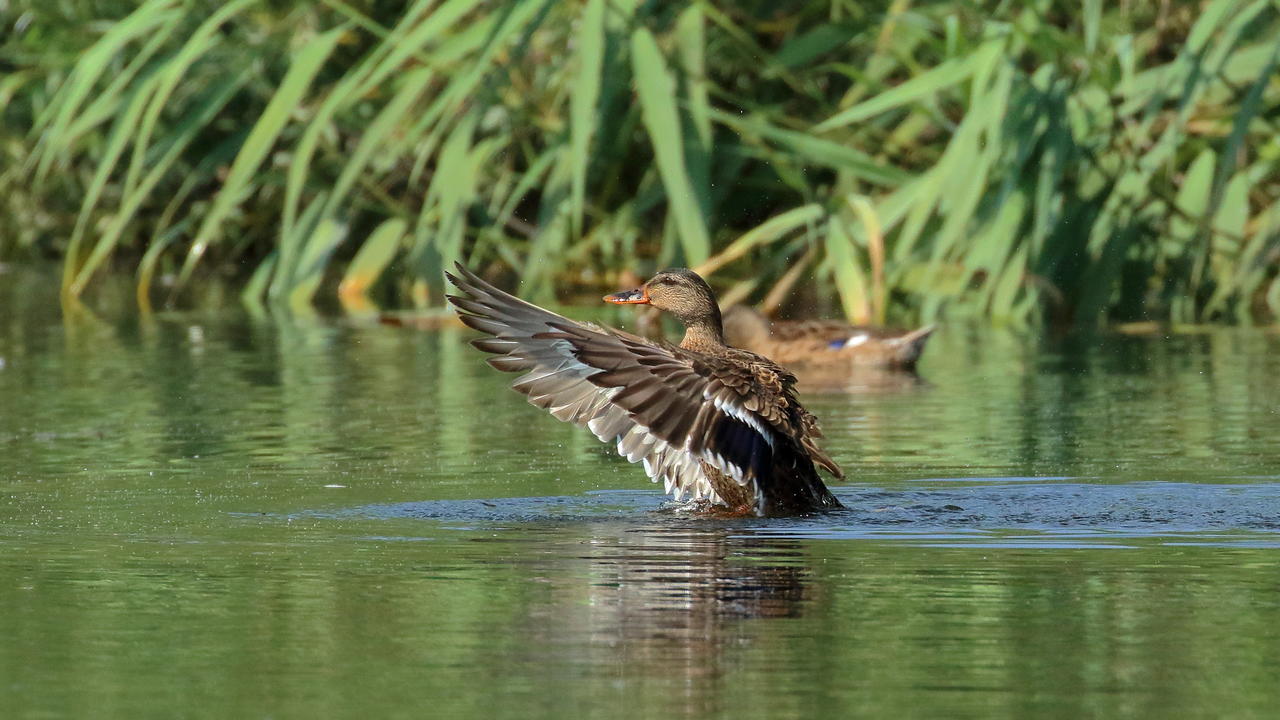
[(682, 293)]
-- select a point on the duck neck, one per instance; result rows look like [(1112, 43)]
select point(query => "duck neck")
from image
[(704, 333)]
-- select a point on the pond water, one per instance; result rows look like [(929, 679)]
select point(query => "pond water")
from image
[(206, 514)]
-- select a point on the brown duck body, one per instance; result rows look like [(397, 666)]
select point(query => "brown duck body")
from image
[(818, 342), (710, 421), (769, 390)]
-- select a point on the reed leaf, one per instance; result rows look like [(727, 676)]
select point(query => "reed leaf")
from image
[(52, 125), (295, 84), (372, 259), (583, 104), (77, 275), (769, 231), (815, 149), (946, 75), (850, 280), (172, 74), (655, 88), (321, 243)]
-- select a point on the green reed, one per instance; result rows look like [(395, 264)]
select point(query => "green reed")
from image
[(1007, 160)]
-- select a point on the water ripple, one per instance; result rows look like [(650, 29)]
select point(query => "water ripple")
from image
[(1003, 512)]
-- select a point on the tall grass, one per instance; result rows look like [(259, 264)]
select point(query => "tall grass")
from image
[(1008, 160)]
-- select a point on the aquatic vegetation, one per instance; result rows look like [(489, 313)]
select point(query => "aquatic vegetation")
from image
[(920, 159)]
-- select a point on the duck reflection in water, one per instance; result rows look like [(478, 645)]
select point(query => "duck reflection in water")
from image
[(675, 603)]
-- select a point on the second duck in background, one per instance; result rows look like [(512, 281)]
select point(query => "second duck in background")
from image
[(820, 342)]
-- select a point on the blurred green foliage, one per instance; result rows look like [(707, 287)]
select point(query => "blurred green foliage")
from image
[(1013, 160)]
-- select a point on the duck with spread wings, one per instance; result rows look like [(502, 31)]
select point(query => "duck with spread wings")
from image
[(712, 422)]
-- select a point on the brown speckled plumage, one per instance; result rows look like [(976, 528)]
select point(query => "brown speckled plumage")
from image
[(709, 420), (807, 343)]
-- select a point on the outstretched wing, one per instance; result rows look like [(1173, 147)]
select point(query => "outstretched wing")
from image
[(654, 401)]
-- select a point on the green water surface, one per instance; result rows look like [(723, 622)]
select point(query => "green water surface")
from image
[(203, 514)]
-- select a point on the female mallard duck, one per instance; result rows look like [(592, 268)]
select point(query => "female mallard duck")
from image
[(813, 342), (709, 420)]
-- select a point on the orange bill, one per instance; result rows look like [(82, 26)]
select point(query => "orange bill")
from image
[(639, 296)]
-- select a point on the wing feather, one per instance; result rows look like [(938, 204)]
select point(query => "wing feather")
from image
[(651, 401)]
